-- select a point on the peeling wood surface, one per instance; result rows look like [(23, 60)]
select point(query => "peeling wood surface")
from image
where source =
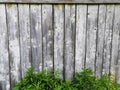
[(60, 1), (4, 54), (14, 48), (67, 37)]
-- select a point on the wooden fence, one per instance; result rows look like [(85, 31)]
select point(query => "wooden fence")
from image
[(63, 36)]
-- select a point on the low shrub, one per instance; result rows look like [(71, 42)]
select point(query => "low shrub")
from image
[(47, 80)]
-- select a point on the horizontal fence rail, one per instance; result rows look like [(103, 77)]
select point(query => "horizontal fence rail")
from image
[(64, 37), (61, 1)]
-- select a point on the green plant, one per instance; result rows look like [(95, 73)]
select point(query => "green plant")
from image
[(86, 80), (47, 80)]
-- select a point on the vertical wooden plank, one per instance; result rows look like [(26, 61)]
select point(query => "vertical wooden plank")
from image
[(118, 62), (91, 36), (14, 49), (115, 42), (36, 36), (81, 13), (108, 39), (24, 26), (100, 41), (47, 36), (69, 40), (4, 57), (58, 37)]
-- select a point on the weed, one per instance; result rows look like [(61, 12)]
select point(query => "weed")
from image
[(47, 80)]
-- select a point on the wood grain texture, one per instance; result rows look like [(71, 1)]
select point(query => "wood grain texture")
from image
[(67, 37), (4, 57), (108, 39), (14, 49), (91, 36), (118, 63), (69, 40), (81, 13), (60, 1), (47, 30), (58, 37), (24, 26), (36, 36), (100, 41), (115, 43)]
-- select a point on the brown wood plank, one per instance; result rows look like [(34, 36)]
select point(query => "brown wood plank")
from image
[(60, 1)]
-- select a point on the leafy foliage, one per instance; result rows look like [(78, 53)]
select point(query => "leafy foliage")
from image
[(47, 80), (87, 81)]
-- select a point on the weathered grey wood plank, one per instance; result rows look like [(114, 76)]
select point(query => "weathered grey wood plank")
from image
[(58, 37), (108, 39), (14, 49), (81, 12), (60, 1), (91, 36), (4, 57), (118, 63), (36, 36), (31, 37), (47, 36), (24, 27), (69, 40), (100, 41), (115, 42)]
